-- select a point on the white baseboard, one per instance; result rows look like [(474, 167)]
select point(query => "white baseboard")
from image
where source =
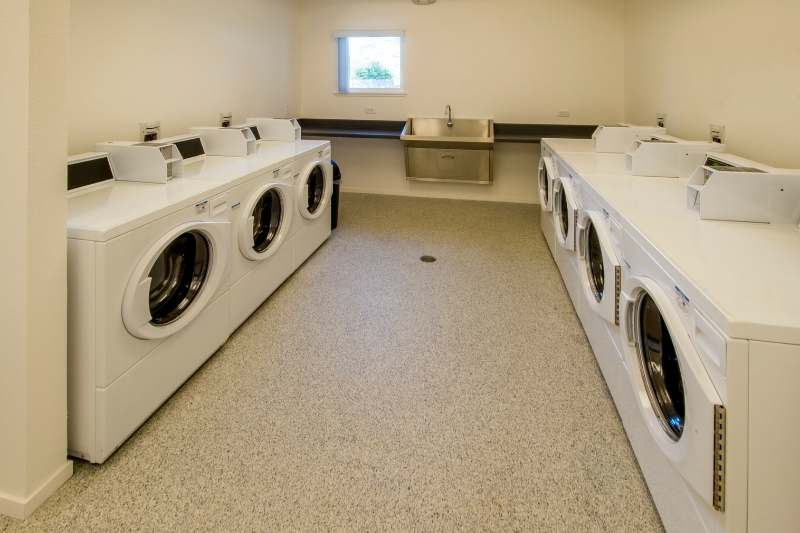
[(446, 196), (22, 508)]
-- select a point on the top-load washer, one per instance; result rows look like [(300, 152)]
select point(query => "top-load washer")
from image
[(148, 282), (313, 189)]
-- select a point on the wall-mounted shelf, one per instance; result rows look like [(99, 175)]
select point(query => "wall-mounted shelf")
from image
[(391, 129)]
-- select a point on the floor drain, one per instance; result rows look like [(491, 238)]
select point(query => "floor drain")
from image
[(427, 259)]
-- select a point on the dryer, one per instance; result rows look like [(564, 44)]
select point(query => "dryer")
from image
[(148, 285), (313, 182)]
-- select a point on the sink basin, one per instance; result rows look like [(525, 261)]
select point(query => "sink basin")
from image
[(434, 132), (461, 153)]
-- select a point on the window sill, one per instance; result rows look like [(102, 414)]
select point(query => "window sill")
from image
[(370, 93)]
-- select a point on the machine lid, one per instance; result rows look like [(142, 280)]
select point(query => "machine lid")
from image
[(178, 276), (660, 368)]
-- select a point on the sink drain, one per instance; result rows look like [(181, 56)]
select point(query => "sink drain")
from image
[(427, 259)]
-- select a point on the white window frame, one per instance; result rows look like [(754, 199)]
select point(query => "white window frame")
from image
[(343, 67)]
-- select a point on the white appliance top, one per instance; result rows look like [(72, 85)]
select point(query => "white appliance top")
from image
[(569, 145), (743, 275), (120, 207)]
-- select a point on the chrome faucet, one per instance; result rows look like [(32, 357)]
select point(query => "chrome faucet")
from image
[(449, 112)]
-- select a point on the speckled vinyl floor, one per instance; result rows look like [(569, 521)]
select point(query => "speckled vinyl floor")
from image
[(374, 392)]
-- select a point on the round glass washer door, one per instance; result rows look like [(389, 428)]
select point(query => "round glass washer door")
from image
[(661, 371), (315, 189), (595, 262), (177, 276), (544, 183), (175, 279), (563, 213), (265, 222)]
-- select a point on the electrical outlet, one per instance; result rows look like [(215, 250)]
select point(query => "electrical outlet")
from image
[(149, 131), (717, 132), (369, 110), (225, 119), (661, 120), (564, 114)]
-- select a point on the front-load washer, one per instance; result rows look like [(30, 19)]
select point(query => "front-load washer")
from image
[(600, 259), (683, 450), (263, 258), (739, 311), (313, 189), (148, 286), (546, 174), (566, 210)]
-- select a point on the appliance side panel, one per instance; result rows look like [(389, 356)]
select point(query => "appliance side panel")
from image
[(774, 457), (81, 346), (737, 364)]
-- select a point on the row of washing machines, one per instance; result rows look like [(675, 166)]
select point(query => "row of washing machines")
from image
[(172, 244), (683, 264)]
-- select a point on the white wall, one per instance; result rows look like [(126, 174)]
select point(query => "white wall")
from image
[(33, 148), (182, 62), (735, 63), (512, 60)]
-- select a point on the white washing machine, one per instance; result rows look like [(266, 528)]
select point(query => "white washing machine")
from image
[(313, 182), (600, 274), (683, 452), (546, 174), (711, 342), (566, 211), (263, 210), (549, 166), (263, 203), (148, 285)]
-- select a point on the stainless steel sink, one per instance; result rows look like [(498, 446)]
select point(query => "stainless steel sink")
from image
[(436, 151)]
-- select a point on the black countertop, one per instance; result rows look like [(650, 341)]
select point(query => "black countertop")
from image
[(360, 129), (391, 129)]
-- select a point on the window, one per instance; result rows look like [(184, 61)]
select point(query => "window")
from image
[(371, 62)]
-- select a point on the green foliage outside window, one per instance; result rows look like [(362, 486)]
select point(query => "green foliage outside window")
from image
[(375, 71)]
